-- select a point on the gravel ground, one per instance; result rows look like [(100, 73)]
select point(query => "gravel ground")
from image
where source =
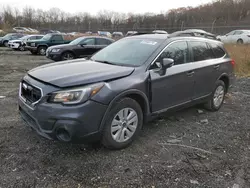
[(191, 148)]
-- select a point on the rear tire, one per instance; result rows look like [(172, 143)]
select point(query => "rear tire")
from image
[(123, 124), (217, 98), (5, 43), (42, 50)]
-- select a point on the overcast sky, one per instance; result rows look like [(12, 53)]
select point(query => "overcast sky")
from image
[(93, 6)]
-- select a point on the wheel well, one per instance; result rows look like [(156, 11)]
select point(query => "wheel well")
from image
[(225, 79), (42, 46), (68, 51), (141, 101)]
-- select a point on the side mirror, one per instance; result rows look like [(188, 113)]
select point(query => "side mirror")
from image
[(83, 44), (167, 63), (164, 65)]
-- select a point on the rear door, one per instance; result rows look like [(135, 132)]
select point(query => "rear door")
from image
[(102, 43), (205, 68), (177, 85)]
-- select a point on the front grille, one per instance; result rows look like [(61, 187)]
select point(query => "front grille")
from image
[(30, 93)]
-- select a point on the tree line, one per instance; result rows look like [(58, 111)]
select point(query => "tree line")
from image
[(219, 16)]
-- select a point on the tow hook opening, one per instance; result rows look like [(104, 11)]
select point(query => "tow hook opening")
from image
[(63, 135)]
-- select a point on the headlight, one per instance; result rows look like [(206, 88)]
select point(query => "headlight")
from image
[(33, 44), (74, 96), (55, 50)]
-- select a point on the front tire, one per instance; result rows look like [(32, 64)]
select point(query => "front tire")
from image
[(42, 50), (67, 56), (123, 124), (218, 96), (21, 48), (240, 41)]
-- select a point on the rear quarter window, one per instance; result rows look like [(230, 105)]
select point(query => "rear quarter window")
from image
[(201, 51), (218, 51)]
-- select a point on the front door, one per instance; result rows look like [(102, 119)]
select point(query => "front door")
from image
[(56, 40), (86, 47), (177, 85)]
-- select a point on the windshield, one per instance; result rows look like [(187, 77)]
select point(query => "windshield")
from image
[(130, 52), (76, 41), (47, 37), (8, 35)]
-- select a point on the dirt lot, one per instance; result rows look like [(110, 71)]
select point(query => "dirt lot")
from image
[(189, 149)]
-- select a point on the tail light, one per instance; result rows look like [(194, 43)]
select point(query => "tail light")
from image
[(233, 62)]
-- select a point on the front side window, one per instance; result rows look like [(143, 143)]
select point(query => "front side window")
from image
[(231, 33), (57, 38), (177, 51), (201, 51), (238, 32), (88, 41)]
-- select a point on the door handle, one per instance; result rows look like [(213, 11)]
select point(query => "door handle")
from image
[(216, 67), (190, 73)]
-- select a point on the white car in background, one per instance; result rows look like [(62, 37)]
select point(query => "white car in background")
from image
[(236, 36), (19, 44)]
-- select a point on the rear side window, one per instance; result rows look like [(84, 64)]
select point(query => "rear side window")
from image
[(218, 51), (100, 41), (177, 51), (201, 51)]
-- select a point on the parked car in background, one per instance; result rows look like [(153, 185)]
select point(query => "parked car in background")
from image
[(129, 33), (19, 44), (40, 46), (111, 95), (117, 34), (160, 32), (104, 33), (46, 31), (21, 29), (236, 36), (11, 36), (195, 33), (78, 48)]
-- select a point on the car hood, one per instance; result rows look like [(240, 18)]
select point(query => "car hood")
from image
[(34, 41), (10, 41), (78, 72)]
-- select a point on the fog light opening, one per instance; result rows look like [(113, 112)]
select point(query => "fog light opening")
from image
[(63, 135)]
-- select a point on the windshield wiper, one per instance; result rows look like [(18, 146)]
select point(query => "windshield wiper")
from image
[(106, 62)]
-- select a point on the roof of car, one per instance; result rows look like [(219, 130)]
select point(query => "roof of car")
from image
[(150, 36)]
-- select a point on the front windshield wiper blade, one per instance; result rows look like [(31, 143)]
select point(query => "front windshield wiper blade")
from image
[(106, 62)]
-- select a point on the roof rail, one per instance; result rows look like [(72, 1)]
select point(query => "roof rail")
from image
[(193, 34)]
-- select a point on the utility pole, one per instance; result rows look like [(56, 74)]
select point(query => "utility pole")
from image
[(182, 24)]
